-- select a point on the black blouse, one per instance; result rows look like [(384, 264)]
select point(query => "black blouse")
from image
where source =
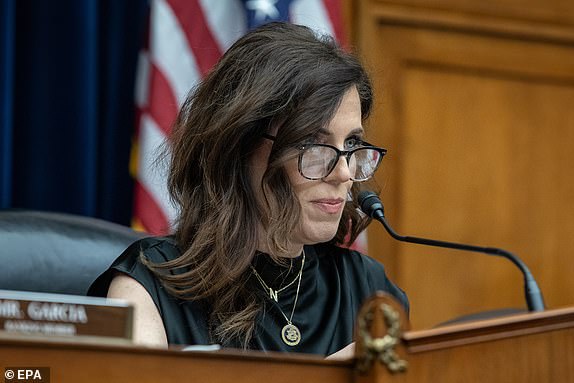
[(335, 281)]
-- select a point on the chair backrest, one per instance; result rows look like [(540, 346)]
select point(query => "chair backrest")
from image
[(57, 252)]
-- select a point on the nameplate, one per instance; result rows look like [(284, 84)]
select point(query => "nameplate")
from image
[(40, 314)]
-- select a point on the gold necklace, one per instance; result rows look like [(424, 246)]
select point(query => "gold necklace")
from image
[(290, 334), (274, 294)]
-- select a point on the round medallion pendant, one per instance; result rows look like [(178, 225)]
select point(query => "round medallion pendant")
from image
[(291, 335)]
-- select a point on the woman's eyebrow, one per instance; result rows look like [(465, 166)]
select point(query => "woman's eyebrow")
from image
[(358, 130)]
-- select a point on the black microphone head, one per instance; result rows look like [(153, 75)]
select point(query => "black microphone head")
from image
[(369, 203)]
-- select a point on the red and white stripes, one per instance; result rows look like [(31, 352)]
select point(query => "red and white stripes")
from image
[(186, 39)]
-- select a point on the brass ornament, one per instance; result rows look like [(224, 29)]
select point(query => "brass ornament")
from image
[(383, 348)]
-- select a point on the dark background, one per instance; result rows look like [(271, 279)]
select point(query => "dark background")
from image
[(67, 73)]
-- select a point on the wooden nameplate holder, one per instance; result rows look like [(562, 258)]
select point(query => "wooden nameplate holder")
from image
[(27, 314)]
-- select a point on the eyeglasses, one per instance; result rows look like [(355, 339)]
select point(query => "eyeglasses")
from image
[(317, 161)]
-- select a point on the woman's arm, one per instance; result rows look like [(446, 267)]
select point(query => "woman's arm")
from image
[(345, 353), (148, 327)]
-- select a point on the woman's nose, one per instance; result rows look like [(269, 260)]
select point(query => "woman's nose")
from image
[(341, 172)]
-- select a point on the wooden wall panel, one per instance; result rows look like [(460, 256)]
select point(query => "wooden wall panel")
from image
[(478, 116)]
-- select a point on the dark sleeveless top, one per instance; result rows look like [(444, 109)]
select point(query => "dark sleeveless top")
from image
[(334, 283)]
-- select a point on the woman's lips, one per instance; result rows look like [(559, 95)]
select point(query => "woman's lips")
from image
[(329, 205)]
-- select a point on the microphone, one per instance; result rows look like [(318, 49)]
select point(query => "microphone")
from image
[(372, 206)]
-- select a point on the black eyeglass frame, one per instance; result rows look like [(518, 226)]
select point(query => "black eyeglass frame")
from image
[(346, 153)]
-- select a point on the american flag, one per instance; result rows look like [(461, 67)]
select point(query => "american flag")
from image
[(186, 38)]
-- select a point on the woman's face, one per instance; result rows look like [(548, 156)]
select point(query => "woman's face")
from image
[(322, 201)]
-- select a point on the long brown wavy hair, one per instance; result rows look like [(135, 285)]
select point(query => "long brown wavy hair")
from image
[(282, 76)]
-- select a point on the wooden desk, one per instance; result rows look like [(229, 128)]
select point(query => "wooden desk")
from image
[(73, 363), (533, 347), (525, 348)]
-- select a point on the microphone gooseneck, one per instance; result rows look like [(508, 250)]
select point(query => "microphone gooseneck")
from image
[(372, 206)]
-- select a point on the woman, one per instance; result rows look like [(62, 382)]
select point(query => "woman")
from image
[(266, 156)]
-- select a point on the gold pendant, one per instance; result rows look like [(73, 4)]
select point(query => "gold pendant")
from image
[(273, 294), (290, 335)]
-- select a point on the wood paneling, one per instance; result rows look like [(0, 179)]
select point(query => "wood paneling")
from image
[(476, 107)]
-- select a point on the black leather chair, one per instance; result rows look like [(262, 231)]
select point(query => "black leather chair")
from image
[(56, 252)]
